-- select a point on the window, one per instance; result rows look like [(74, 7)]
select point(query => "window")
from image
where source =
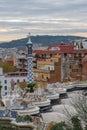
[(74, 70), (5, 81), (5, 93), (48, 68), (42, 76), (24, 80), (5, 87), (65, 54), (17, 80), (69, 55), (47, 78)]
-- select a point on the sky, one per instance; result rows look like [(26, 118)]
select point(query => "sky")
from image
[(42, 17)]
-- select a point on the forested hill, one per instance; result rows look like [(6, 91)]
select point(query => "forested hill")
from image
[(45, 40)]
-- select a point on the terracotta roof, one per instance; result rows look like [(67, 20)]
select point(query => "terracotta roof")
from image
[(61, 46), (60, 49), (57, 49)]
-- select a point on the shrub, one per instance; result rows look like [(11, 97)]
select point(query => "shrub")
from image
[(24, 118), (30, 87)]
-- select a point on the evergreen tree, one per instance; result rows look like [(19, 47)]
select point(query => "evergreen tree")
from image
[(76, 123), (59, 126)]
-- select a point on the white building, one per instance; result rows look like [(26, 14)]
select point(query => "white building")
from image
[(6, 80), (80, 44)]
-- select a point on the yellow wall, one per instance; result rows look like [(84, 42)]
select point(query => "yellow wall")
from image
[(50, 61)]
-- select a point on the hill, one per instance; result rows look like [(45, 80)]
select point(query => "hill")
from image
[(44, 40)]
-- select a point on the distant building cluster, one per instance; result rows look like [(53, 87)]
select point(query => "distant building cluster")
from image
[(57, 63)]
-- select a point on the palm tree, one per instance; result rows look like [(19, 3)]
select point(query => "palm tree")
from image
[(30, 87)]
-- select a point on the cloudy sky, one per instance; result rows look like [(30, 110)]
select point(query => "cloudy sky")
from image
[(50, 17)]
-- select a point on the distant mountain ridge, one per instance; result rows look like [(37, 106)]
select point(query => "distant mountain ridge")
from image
[(44, 40)]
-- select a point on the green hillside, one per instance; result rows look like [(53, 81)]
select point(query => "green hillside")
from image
[(45, 40)]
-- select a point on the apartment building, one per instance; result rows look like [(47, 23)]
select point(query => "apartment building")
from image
[(71, 59), (48, 70)]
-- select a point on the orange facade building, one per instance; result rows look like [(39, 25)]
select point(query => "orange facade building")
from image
[(48, 70), (84, 68)]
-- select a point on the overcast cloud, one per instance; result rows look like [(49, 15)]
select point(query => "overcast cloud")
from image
[(50, 17)]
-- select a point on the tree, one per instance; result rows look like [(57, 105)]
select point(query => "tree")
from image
[(1, 127), (30, 87), (59, 126), (76, 123), (80, 104), (7, 67)]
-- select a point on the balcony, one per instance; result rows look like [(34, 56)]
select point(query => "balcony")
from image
[(21, 56)]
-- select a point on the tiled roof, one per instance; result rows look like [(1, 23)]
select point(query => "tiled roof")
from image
[(60, 49), (57, 49)]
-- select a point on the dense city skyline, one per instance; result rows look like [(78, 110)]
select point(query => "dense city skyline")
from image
[(48, 17)]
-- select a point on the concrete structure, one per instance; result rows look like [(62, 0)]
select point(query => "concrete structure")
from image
[(5, 53), (82, 43), (21, 62), (8, 85)]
